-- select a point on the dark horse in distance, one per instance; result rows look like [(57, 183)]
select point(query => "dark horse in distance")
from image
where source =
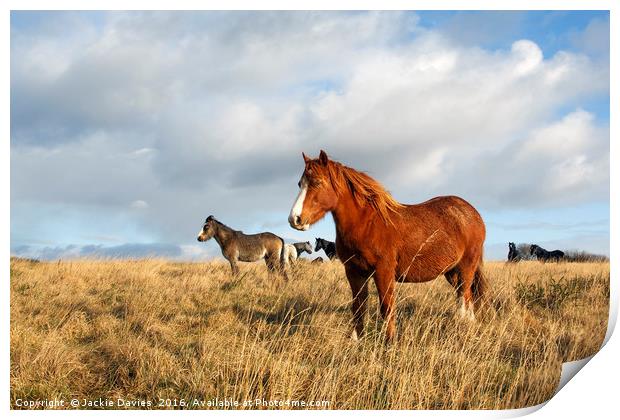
[(378, 237), (513, 253), (327, 246), (543, 255), (237, 246)]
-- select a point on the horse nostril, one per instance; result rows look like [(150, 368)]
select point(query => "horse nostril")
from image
[(297, 220)]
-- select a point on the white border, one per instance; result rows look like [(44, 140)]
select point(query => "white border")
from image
[(593, 394)]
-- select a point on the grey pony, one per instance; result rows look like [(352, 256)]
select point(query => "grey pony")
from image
[(237, 246)]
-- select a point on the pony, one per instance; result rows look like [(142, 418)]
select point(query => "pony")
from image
[(302, 247), (293, 251), (237, 246), (290, 254), (378, 237), (543, 255), (327, 246)]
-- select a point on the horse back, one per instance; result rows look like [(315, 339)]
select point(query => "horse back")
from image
[(424, 240), (557, 254), (436, 235), (259, 245), (455, 217)]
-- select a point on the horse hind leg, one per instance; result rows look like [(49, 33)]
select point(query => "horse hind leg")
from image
[(276, 266), (270, 263), (466, 310), (465, 292), (454, 279), (282, 269)]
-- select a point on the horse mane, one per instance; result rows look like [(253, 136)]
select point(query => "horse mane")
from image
[(222, 225), (365, 190)]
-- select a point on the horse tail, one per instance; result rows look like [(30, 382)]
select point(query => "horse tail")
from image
[(479, 286)]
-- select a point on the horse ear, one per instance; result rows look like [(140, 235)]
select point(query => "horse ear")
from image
[(323, 159), (306, 158)]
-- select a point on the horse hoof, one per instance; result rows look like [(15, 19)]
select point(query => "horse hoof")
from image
[(467, 315)]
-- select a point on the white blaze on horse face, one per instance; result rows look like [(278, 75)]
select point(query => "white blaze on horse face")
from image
[(294, 219)]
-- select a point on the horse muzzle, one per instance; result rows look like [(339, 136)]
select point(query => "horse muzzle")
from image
[(295, 222)]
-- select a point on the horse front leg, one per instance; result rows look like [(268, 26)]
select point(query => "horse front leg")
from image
[(232, 255), (385, 280), (234, 267), (358, 280)]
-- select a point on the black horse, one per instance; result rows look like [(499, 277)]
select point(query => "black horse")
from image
[(544, 255), (513, 254), (328, 246)]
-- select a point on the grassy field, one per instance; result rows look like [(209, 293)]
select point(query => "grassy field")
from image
[(168, 333)]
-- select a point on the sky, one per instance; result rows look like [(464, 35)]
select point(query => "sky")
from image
[(128, 129)]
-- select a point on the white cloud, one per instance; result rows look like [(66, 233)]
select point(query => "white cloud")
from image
[(528, 56), (139, 204), (565, 162), (196, 252)]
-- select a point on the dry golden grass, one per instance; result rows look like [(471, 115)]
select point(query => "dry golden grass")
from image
[(154, 329)]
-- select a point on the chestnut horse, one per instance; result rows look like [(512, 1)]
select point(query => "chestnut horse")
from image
[(378, 237)]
